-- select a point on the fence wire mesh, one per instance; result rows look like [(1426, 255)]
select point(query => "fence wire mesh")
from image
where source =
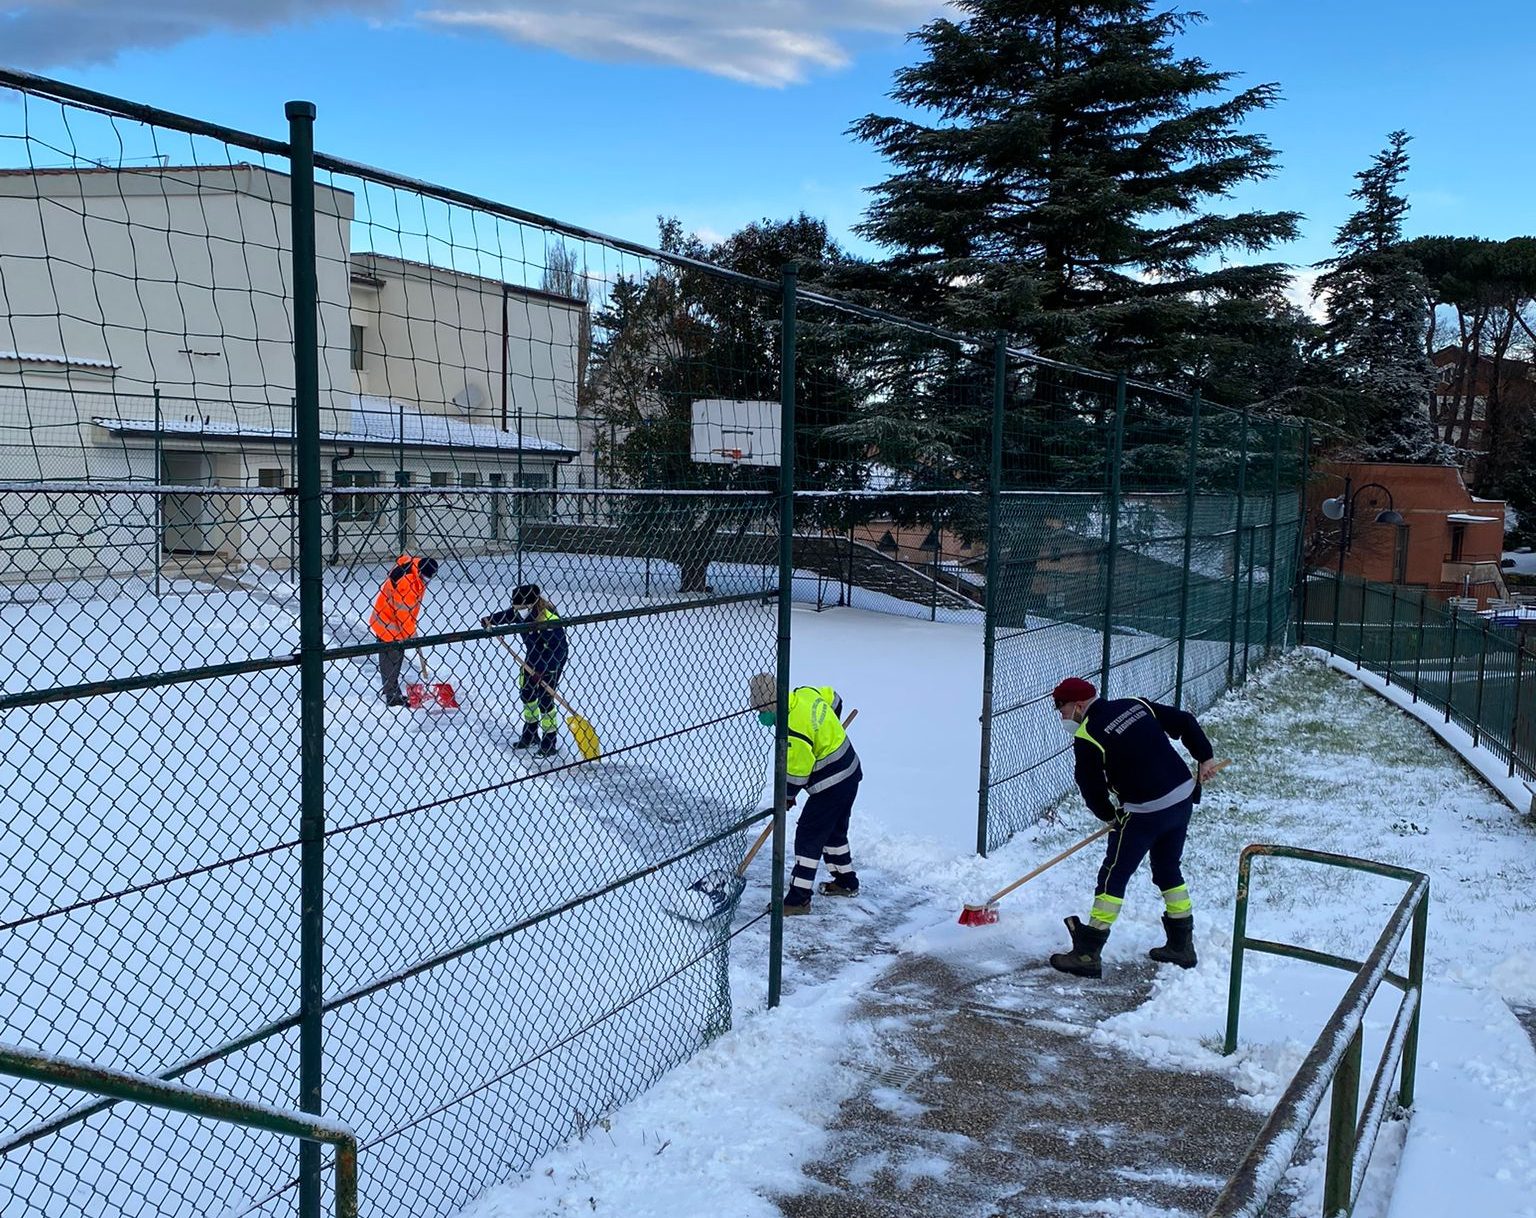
[(502, 958), (425, 865)]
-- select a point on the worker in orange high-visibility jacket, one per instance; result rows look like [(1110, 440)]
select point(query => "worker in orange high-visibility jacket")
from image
[(394, 615)]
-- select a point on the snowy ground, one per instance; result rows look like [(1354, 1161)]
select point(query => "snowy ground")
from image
[(1319, 761)]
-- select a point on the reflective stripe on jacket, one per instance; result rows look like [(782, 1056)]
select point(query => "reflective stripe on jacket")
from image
[(399, 601), (820, 754)]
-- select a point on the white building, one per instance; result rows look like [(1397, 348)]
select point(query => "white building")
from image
[(146, 339)]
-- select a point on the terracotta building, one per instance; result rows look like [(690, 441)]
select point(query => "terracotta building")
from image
[(1442, 537)]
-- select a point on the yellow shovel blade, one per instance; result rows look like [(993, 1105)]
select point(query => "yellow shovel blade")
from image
[(585, 736)]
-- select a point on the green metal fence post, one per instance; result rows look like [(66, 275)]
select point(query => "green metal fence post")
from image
[(1301, 532), (788, 282), (1450, 666), (1418, 652), (1189, 543), (1410, 1062), (1482, 671), (1365, 591), (306, 356), (989, 625), (1391, 636), (994, 507), (402, 523), (1239, 942), (1116, 445), (1274, 529), (1237, 549), (1343, 1112), (157, 547), (1248, 603), (1514, 716)]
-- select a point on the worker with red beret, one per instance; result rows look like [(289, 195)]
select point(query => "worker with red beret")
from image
[(1121, 751)]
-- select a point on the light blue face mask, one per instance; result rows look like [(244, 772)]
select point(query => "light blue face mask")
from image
[(767, 718)]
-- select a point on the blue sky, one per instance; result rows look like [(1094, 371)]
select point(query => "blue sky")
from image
[(607, 112)]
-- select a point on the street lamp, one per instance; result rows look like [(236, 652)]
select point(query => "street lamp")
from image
[(1342, 508)]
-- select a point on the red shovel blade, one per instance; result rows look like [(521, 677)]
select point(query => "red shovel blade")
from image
[(445, 696), (415, 695), (978, 915)]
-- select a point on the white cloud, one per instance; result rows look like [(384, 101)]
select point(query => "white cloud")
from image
[(770, 43), (52, 33), (1299, 293)]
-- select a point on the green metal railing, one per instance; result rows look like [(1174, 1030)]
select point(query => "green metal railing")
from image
[(16, 1061), (1466, 665), (1334, 1058)]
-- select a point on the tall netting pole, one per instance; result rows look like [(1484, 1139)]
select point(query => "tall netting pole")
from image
[(306, 361), (989, 626), (786, 598)]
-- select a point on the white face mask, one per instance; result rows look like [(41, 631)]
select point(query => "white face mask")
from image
[(1069, 726)]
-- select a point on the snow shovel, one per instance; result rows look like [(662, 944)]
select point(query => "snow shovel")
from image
[(723, 888), (582, 731), (985, 914), (441, 691)]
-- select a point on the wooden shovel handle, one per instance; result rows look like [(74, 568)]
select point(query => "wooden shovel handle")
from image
[(756, 846), (1071, 850), (553, 692), (1046, 866)]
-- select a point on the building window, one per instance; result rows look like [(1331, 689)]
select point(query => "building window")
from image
[(357, 509), (1458, 540), (497, 479), (469, 479), (439, 478), (357, 348), (273, 478)]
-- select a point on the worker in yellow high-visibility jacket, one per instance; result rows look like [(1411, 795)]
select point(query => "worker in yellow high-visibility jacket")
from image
[(822, 763)]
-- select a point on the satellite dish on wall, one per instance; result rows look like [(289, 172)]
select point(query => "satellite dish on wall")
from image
[(469, 399)]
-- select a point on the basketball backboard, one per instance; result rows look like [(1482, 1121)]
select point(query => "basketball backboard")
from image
[(728, 431)]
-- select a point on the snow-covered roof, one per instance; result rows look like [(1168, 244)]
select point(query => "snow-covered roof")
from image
[(373, 421), (381, 420), (1469, 518), (68, 361)]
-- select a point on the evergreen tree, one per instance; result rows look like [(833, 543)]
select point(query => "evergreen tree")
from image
[(1063, 186), (1376, 300)]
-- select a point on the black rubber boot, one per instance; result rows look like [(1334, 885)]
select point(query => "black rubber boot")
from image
[(547, 747), (1180, 948), (845, 885), (1087, 947), (530, 736)]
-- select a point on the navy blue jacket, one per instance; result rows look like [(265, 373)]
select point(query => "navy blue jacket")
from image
[(1121, 749), (547, 650)]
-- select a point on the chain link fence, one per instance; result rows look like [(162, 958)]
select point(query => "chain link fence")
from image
[(1469, 664), (293, 814)]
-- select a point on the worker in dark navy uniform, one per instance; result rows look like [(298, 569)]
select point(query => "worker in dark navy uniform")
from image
[(1121, 752)]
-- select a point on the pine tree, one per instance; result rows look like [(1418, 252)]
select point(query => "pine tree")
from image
[(1064, 187), (1377, 314)]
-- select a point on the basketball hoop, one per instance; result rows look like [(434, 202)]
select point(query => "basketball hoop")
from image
[(733, 455)]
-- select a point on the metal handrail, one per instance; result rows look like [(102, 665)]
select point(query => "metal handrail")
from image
[(1334, 1058), (17, 1061)]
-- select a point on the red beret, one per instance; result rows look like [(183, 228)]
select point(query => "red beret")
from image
[(1073, 689)]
